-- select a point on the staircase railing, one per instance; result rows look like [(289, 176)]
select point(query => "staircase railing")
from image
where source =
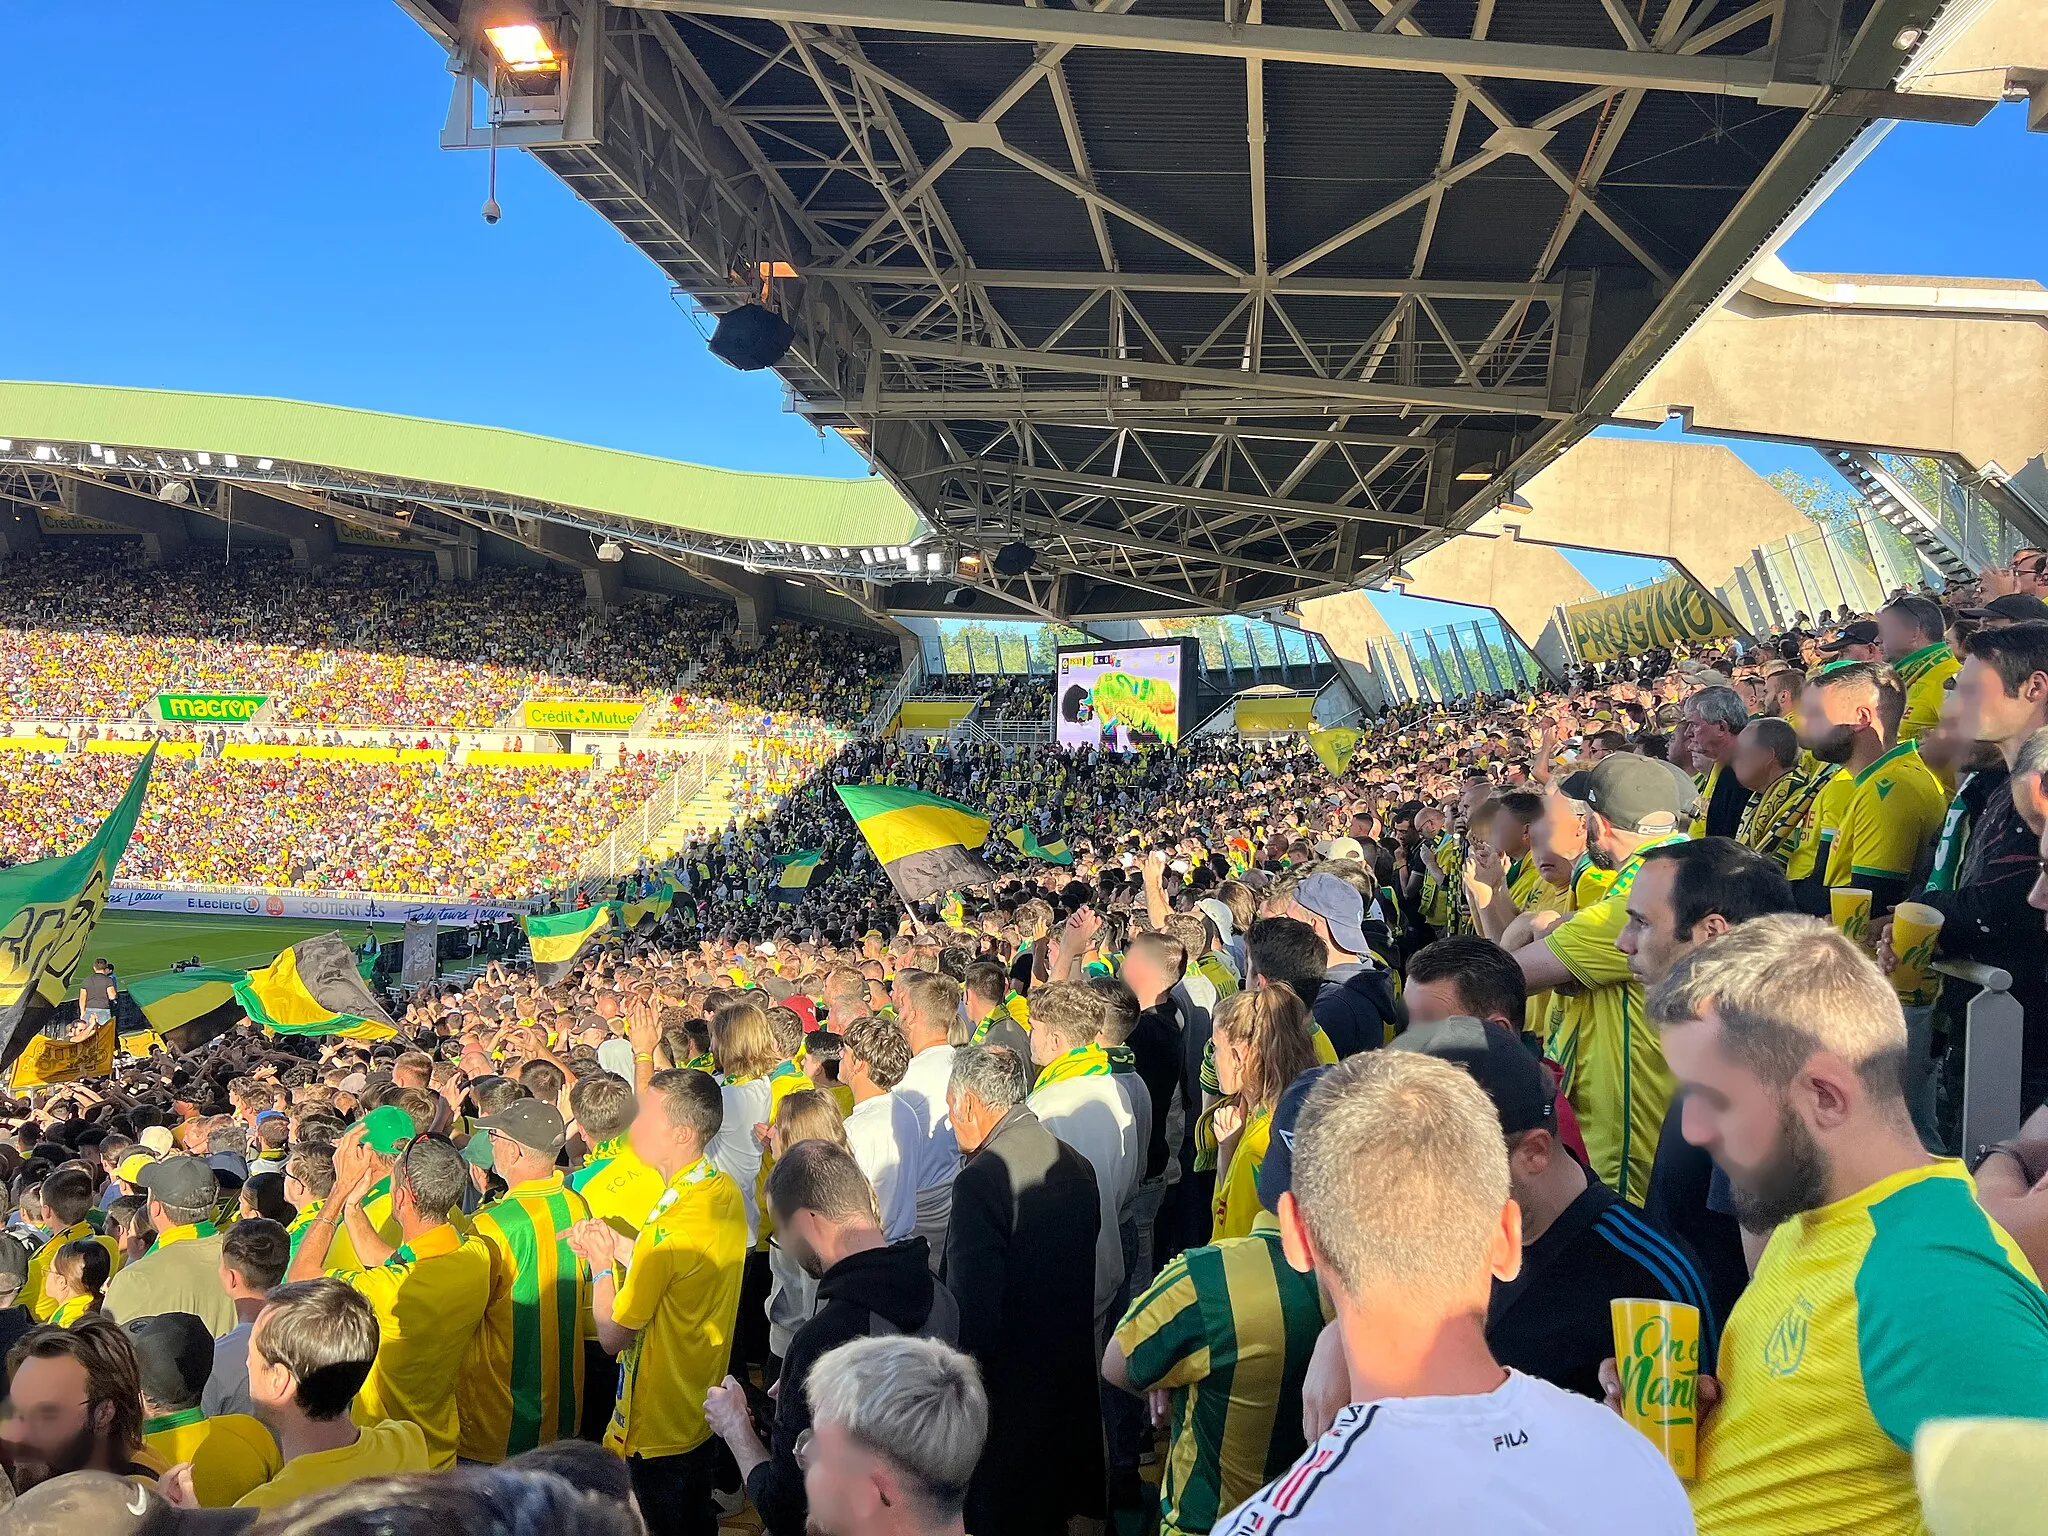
[(892, 702), (619, 851)]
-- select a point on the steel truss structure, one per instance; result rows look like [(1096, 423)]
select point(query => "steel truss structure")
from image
[(1217, 304)]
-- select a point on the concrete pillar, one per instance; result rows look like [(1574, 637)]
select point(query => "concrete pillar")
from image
[(455, 563), (165, 539), (20, 533), (604, 586), (752, 593), (310, 534)]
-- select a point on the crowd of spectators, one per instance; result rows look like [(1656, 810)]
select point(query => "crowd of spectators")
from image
[(419, 829), (1300, 1136)]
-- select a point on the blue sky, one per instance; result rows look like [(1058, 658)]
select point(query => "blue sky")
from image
[(248, 196)]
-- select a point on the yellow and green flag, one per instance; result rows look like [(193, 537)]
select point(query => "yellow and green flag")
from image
[(924, 843), (313, 988), (1026, 842), (48, 910), (186, 1008), (559, 940), (1334, 748), (794, 876)]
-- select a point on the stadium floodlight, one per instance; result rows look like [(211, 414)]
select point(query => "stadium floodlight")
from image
[(867, 557), (206, 461), (45, 452), (910, 562), (96, 450), (521, 46), (6, 445), (933, 561), (263, 464), (231, 461)]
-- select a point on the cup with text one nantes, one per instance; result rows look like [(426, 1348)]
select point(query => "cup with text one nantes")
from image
[(1916, 929), (1849, 907), (1657, 1353)]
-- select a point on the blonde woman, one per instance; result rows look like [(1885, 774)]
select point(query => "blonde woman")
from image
[(743, 1048), (1262, 1044)]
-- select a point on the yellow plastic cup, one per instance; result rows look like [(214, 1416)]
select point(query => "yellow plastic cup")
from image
[(1916, 929), (1850, 906), (1657, 1351)]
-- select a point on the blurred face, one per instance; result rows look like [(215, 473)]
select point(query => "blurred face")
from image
[(1428, 1001), (51, 1430), (1986, 712), (842, 1481), (1559, 837), (1830, 720), (1752, 1131), (1755, 765), (653, 1139), (1508, 835)]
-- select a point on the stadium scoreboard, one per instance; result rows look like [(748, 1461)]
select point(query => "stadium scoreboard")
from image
[(1119, 698)]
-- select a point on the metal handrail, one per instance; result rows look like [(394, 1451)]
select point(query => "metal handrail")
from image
[(1992, 1025)]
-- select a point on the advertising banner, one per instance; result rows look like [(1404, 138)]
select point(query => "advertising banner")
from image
[(583, 714), (209, 708), (340, 906), (1675, 611), (1119, 699)]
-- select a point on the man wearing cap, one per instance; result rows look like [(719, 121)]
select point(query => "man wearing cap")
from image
[(1614, 1070), (1582, 1245), (225, 1456), (1882, 812), (429, 1291), (1915, 639), (2013, 608), (1859, 640), (182, 1272), (1349, 1006), (1220, 1342), (522, 1382)]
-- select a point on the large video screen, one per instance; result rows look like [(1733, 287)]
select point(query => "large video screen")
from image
[(1119, 698)]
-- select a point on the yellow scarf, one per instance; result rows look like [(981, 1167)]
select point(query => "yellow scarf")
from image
[(1088, 1060)]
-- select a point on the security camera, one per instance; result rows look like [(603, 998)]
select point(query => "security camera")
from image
[(492, 212)]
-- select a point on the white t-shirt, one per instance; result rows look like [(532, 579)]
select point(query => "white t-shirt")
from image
[(1526, 1457), (734, 1151), (924, 1089), (885, 1138)]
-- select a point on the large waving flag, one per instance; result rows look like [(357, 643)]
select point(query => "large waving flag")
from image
[(48, 910), (1026, 842), (796, 872), (1334, 748), (313, 988), (924, 843), (187, 1008), (559, 940)]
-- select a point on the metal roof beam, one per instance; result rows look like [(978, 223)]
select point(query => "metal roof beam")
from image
[(1513, 401), (1117, 538), (1194, 282), (1163, 494), (1049, 27)]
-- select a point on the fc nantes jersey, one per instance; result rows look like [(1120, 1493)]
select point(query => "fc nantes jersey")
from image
[(1865, 1319), (1615, 1076), (1925, 674), (522, 1384), (1230, 1328), (1890, 816)]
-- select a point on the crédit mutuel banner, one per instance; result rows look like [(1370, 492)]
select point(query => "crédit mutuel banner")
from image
[(583, 714), (1675, 611), (209, 708)]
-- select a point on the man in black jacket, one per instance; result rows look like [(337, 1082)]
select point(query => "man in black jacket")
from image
[(826, 1219), (1020, 1259)]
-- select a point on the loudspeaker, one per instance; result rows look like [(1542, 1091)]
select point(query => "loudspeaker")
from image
[(1015, 559), (751, 337), (963, 597)]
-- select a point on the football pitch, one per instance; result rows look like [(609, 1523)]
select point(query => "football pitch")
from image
[(147, 943)]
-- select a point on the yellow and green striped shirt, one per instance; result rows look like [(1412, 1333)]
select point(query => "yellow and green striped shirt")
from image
[(1229, 1328), (522, 1381)]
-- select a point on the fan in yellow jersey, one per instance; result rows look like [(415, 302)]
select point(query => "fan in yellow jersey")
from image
[(1614, 1071), (666, 1302), (68, 1195), (1502, 875), (1886, 1298), (310, 1351), (522, 1383), (1914, 635), (1779, 822), (1886, 816), (226, 1455), (429, 1293)]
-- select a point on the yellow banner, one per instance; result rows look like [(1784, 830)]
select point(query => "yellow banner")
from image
[(481, 758), (583, 714), (1296, 713), (44, 1060), (32, 744), (137, 748), (1673, 612), (250, 752)]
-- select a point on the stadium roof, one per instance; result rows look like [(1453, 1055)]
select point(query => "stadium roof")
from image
[(1218, 303), (401, 474)]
